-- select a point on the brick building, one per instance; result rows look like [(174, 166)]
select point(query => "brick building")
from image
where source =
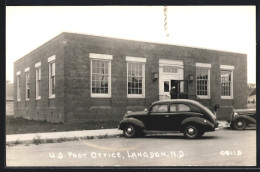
[(75, 77)]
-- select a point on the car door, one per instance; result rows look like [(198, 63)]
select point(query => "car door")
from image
[(177, 113), (158, 118)]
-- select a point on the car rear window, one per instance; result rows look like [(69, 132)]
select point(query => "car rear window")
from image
[(159, 108), (183, 108)]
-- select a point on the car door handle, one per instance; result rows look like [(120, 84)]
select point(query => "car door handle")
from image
[(167, 116)]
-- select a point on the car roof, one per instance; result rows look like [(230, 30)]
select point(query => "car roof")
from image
[(176, 101)]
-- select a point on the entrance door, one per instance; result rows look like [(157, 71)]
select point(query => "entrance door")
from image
[(181, 88), (166, 90), (170, 71)]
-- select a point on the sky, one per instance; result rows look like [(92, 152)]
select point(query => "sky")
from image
[(225, 28)]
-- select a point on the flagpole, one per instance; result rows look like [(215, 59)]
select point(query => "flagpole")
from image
[(165, 11)]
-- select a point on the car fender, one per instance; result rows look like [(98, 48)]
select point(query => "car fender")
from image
[(248, 119), (132, 121), (197, 120)]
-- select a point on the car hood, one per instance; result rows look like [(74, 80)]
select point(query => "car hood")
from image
[(136, 113)]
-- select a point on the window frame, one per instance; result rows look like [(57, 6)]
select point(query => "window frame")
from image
[(51, 61), (231, 69), (38, 81), (27, 83), (208, 67), (100, 57), (136, 60), (18, 86)]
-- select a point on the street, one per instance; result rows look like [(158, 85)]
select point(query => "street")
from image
[(225, 147)]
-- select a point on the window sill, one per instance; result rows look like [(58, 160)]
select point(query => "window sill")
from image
[(52, 96), (27, 99), (38, 98), (203, 97), (100, 96), (135, 96), (226, 97)]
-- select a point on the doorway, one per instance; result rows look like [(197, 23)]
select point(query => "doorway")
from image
[(171, 73)]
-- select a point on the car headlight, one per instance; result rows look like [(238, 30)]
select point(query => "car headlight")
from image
[(235, 113)]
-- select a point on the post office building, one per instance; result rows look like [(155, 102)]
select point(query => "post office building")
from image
[(76, 78)]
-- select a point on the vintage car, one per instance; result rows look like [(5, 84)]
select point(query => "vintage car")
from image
[(187, 116), (241, 118)]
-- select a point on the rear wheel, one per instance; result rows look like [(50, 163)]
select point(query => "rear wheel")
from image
[(192, 131), (239, 124)]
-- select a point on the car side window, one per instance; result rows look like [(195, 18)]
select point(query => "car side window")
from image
[(159, 108), (173, 108), (183, 108)]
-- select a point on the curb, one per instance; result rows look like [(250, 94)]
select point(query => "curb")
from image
[(40, 138), (59, 140)]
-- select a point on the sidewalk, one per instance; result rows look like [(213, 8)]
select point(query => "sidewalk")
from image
[(28, 138), (70, 135)]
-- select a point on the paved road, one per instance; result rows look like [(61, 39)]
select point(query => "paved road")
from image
[(221, 148)]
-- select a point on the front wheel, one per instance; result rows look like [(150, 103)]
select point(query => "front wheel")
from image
[(129, 131), (239, 124), (192, 131)]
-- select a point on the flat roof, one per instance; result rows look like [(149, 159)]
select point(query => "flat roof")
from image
[(140, 41)]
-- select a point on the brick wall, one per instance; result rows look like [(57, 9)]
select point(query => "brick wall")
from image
[(80, 105), (44, 109)]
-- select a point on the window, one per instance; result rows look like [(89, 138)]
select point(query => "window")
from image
[(27, 83), (52, 90), (159, 108), (183, 108), (203, 80), (27, 78), (166, 86), (173, 108), (179, 108), (170, 69), (38, 80), (100, 75), (18, 82), (226, 81), (135, 77)]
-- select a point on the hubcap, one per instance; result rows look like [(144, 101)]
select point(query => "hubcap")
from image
[(129, 130), (191, 131), (239, 123)]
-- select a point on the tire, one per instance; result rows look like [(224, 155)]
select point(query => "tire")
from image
[(239, 124), (192, 131), (130, 131)]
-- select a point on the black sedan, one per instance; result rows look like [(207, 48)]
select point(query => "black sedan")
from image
[(241, 118), (187, 116)]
